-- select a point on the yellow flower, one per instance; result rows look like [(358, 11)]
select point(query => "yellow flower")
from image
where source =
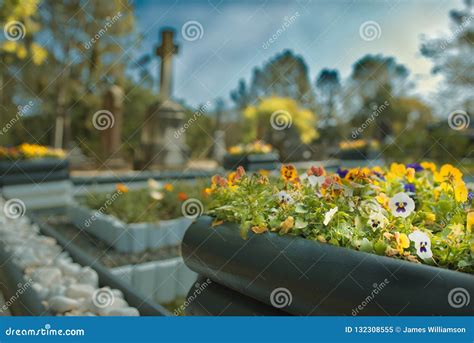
[(460, 191), (287, 225), (448, 174), (168, 187), (470, 222), (121, 188), (383, 200), (403, 242), (430, 217), (289, 172), (410, 174), (21, 52), (235, 150), (429, 166), (397, 169), (264, 172)]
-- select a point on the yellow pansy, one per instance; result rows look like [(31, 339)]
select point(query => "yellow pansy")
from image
[(410, 174), (403, 242), (287, 225), (460, 191), (398, 169), (428, 166), (470, 222), (383, 200), (448, 174)]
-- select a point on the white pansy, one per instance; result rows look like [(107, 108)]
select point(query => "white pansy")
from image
[(156, 195), (401, 205), (377, 221), (422, 244), (284, 197), (329, 214), (316, 180)]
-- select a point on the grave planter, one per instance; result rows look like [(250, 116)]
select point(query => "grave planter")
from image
[(252, 162), (36, 171), (313, 278), (129, 238)]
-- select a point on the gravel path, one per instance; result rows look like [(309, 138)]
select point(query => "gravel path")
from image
[(101, 251)]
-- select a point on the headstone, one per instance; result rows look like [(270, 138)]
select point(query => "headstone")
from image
[(111, 137), (162, 142)]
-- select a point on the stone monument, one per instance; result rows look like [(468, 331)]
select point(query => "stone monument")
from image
[(111, 139), (161, 147)]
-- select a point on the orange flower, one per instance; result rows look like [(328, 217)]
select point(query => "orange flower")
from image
[(182, 196), (289, 172), (121, 188), (168, 187)]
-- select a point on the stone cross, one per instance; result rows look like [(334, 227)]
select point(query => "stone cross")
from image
[(166, 52)]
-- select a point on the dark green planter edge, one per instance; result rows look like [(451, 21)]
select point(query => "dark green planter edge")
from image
[(322, 279)]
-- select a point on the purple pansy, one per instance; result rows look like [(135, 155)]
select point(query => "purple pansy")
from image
[(409, 188), (342, 172), (416, 166)]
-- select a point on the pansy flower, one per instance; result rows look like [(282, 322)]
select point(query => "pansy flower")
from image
[(317, 171), (428, 166), (329, 214), (416, 166), (409, 188), (448, 174), (422, 244), (403, 242), (121, 188), (460, 191), (289, 172), (383, 200), (284, 198), (377, 221), (342, 172), (401, 205)]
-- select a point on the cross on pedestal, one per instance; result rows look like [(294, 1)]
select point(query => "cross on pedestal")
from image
[(166, 52)]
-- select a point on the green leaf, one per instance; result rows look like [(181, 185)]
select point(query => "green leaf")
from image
[(300, 209), (300, 224)]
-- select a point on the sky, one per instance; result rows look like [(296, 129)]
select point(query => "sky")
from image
[(233, 37)]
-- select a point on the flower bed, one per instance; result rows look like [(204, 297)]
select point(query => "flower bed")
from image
[(133, 221), (252, 157), (416, 217), (358, 150), (29, 163)]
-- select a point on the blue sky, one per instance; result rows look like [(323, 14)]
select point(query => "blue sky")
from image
[(325, 33)]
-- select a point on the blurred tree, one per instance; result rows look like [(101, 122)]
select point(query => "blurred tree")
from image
[(286, 75), (376, 80), (452, 57), (274, 119)]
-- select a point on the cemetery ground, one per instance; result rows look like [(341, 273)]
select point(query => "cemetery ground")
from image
[(123, 195)]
